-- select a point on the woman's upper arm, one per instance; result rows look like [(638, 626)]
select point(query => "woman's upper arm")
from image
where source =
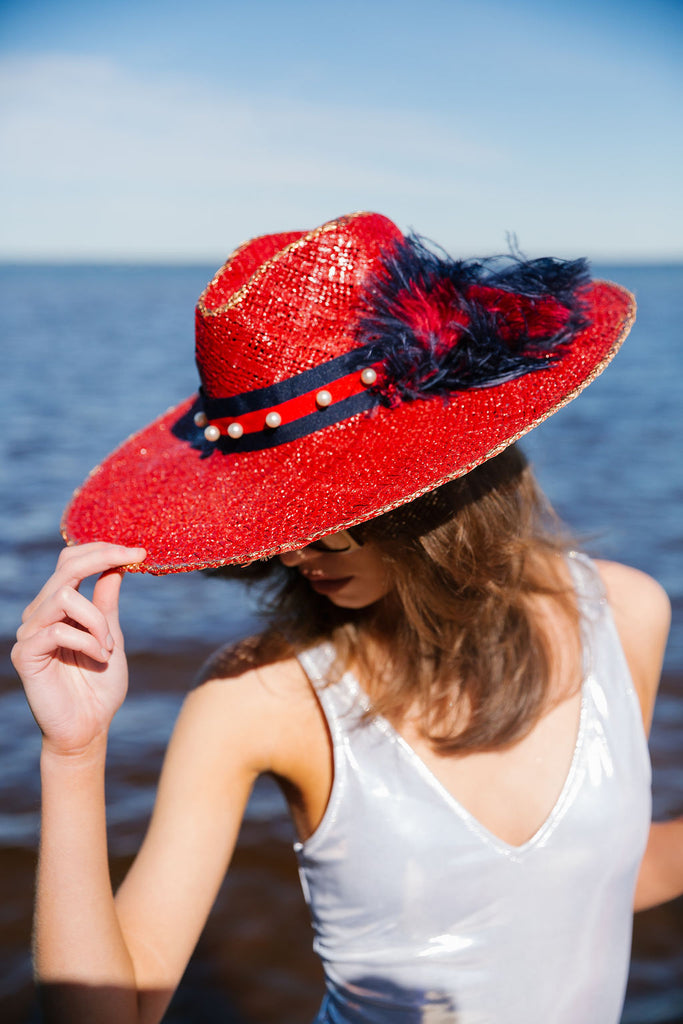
[(219, 746), (642, 614)]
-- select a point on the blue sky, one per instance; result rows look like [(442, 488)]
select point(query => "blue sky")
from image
[(140, 130)]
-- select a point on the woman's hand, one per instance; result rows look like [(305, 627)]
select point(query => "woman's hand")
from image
[(69, 651)]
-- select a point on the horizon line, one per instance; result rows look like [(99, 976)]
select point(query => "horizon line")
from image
[(161, 260)]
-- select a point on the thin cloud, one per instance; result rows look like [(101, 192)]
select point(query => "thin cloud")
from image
[(102, 161), (78, 120)]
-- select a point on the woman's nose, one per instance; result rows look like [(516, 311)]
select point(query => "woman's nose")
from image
[(294, 558)]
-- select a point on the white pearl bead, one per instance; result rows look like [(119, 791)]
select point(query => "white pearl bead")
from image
[(200, 419), (273, 419), (323, 399), (235, 430), (212, 433), (368, 376)]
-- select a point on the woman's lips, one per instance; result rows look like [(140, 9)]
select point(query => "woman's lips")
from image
[(328, 586)]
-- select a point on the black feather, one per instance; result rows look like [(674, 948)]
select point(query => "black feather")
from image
[(472, 344)]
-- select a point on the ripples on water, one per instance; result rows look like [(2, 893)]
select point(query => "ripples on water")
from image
[(92, 354)]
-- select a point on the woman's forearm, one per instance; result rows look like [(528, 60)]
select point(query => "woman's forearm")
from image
[(82, 963)]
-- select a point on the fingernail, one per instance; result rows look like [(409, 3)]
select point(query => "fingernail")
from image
[(105, 653), (109, 642)]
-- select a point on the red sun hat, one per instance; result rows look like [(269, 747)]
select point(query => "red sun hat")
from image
[(344, 372)]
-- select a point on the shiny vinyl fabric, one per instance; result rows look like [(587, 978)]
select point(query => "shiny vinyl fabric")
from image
[(423, 916)]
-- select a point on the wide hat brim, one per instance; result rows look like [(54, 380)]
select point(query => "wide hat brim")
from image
[(194, 512)]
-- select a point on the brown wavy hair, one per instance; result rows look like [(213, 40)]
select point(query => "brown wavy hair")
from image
[(459, 630)]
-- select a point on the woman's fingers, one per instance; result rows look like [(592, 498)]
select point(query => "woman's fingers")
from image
[(76, 563), (106, 598), (69, 650), (58, 636), (66, 603), (62, 618)]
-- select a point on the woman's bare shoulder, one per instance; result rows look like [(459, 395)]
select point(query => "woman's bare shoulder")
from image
[(634, 594), (263, 667), (255, 690), (642, 614), (263, 650)]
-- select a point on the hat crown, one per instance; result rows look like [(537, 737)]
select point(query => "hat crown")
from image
[(285, 303)]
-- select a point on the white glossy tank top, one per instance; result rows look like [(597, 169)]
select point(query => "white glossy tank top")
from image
[(422, 915)]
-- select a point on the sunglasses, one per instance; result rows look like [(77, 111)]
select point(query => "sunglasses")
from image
[(336, 543)]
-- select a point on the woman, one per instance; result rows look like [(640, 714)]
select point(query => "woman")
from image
[(453, 705)]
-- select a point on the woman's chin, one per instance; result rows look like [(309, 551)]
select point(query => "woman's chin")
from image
[(352, 598)]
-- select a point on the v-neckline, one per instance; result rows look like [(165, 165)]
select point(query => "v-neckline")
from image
[(470, 820)]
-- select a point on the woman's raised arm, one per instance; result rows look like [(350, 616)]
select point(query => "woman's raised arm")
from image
[(69, 655), (97, 959)]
